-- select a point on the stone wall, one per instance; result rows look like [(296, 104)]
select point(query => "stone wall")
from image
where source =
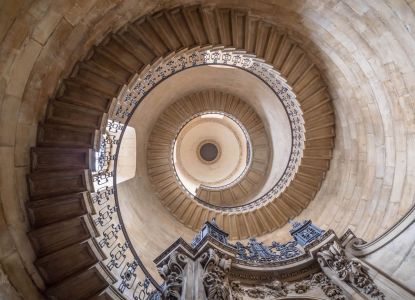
[(397, 258)]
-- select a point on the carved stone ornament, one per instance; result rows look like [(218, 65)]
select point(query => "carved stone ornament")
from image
[(322, 281), (215, 279), (277, 288), (258, 252), (171, 272), (350, 270), (274, 289)]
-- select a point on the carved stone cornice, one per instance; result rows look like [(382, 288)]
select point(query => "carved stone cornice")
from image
[(293, 269), (266, 276), (279, 288), (349, 270)]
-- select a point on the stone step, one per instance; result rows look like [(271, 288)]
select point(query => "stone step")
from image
[(53, 237), (75, 93), (83, 285), (54, 159), (55, 183), (51, 210), (69, 261), (73, 115)]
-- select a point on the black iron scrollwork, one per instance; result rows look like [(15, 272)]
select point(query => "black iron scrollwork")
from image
[(105, 215), (142, 292), (257, 251), (114, 126), (102, 177), (117, 255), (129, 281), (128, 276), (102, 195), (110, 236)]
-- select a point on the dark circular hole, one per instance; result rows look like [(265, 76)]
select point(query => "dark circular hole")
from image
[(208, 151)]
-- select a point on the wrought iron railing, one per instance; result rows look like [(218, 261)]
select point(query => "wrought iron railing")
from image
[(133, 279)]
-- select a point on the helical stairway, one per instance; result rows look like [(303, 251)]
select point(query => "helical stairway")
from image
[(83, 250)]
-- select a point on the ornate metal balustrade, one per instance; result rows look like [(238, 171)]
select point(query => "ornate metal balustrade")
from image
[(255, 251), (133, 280), (258, 252)]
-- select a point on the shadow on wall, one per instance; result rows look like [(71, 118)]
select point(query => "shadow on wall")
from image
[(126, 162)]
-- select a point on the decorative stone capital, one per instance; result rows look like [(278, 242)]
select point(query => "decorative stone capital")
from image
[(215, 279), (349, 270), (171, 272)]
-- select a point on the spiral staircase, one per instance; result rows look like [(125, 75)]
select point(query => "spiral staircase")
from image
[(63, 214)]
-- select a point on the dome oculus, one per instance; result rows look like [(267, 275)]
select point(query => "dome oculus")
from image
[(209, 152)]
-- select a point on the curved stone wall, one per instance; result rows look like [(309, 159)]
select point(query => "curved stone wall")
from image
[(364, 48)]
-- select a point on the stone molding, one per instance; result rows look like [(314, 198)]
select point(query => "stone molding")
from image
[(276, 288)]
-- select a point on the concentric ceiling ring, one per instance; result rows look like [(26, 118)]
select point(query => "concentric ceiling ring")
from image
[(242, 132)]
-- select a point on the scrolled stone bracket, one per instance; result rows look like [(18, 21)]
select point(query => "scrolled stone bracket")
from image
[(215, 277), (172, 273), (348, 270)]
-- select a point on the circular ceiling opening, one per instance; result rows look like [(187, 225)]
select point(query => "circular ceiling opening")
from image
[(209, 152)]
